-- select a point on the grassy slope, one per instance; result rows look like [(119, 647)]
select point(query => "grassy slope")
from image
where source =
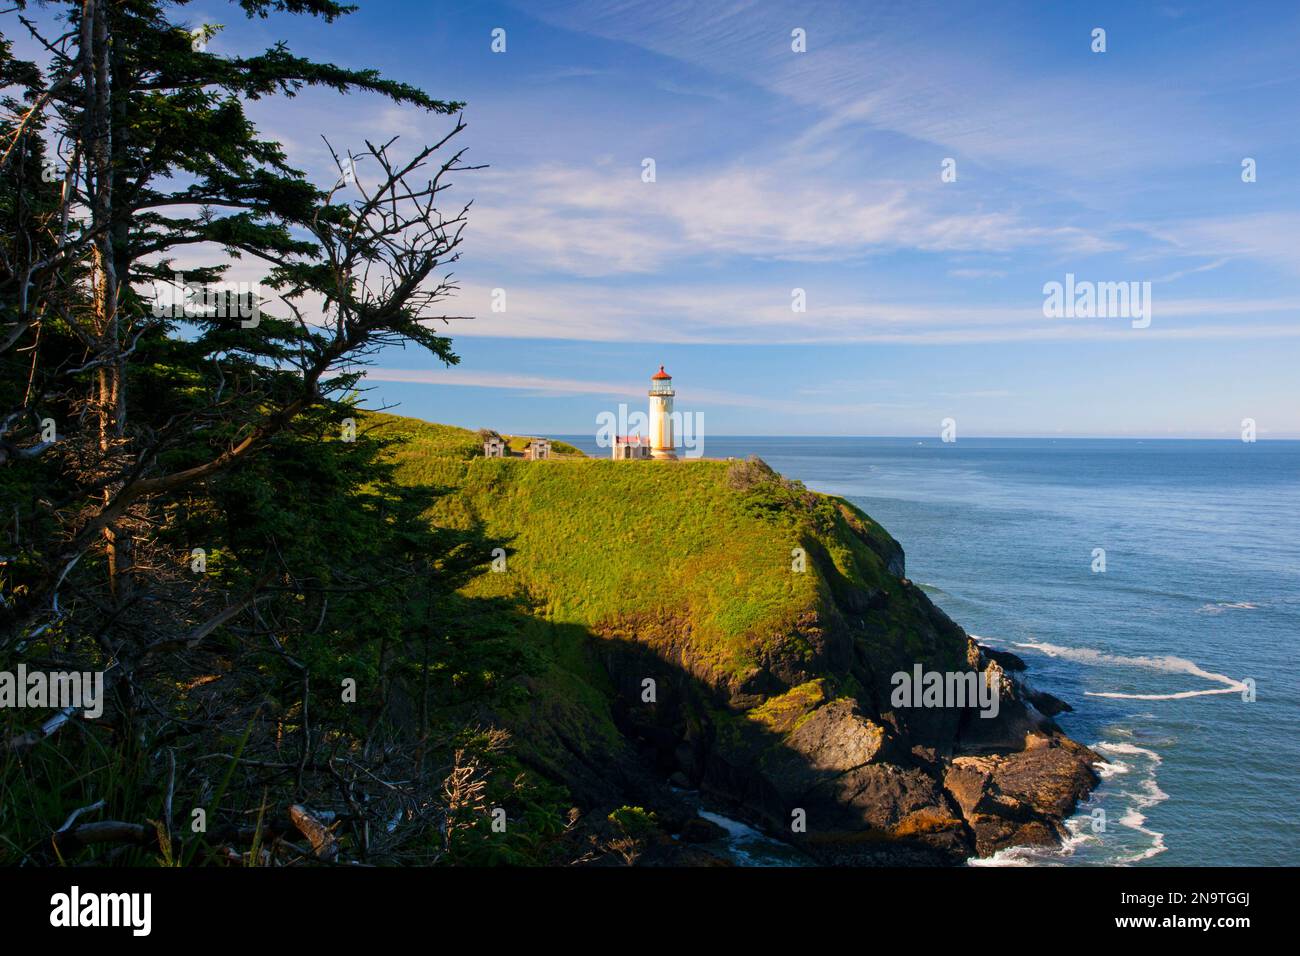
[(428, 439), (595, 542)]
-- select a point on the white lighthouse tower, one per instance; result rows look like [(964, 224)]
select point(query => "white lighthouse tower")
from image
[(662, 442)]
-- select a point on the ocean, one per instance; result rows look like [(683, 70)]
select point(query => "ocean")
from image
[(1199, 600)]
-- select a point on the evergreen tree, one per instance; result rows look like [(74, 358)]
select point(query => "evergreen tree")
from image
[(193, 503)]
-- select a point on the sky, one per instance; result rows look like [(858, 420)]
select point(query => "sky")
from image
[(823, 171)]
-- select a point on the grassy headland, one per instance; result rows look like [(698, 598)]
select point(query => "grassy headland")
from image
[(766, 618)]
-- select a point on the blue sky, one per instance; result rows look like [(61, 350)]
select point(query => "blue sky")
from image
[(820, 170)]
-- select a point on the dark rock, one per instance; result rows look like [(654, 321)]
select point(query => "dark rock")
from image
[(1007, 732), (1009, 661), (1046, 704), (700, 830), (836, 738), (682, 854), (1021, 798), (821, 747)]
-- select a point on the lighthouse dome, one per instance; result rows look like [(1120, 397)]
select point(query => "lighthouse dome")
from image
[(661, 374)]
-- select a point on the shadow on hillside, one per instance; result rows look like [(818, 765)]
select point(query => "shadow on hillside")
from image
[(618, 725)]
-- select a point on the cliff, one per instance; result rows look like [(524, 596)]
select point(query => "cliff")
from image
[(715, 625)]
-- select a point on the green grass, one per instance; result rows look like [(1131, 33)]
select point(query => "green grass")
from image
[(445, 441), (424, 438), (649, 550), (517, 444)]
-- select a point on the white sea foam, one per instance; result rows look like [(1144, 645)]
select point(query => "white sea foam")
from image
[(750, 847), (1167, 664), (1220, 606), (1130, 771), (1131, 785), (1011, 856), (1131, 749), (1079, 835), (1112, 768), (1145, 796)]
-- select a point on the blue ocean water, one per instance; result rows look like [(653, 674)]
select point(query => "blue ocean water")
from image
[(1200, 593)]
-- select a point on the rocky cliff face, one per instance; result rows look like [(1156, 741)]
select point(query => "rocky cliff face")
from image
[(830, 766), (808, 744)]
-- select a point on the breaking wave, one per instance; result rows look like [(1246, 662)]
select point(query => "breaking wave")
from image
[(1130, 789), (1167, 664), (1143, 796)]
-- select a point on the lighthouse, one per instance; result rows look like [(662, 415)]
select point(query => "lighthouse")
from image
[(661, 415)]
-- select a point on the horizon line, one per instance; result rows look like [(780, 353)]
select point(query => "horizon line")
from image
[(931, 438)]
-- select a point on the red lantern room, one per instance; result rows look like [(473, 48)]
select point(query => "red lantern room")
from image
[(661, 383)]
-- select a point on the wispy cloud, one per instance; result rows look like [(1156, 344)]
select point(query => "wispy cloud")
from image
[(472, 379), (598, 221), (630, 392), (1272, 237), (743, 314)]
